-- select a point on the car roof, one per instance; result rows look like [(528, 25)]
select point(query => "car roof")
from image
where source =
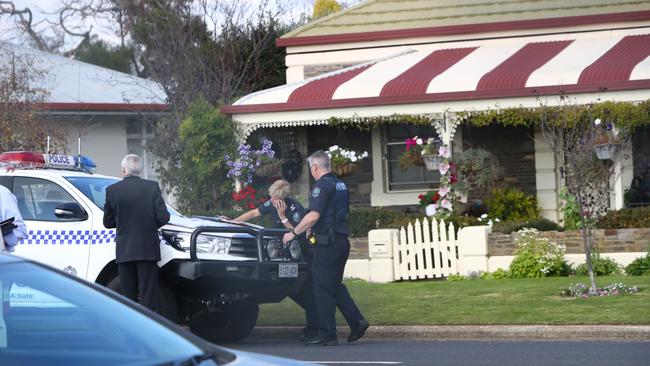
[(40, 172), (8, 258)]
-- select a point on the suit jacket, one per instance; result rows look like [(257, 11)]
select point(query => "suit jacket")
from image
[(136, 208)]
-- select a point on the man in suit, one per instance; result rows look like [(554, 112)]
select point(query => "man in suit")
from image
[(135, 207)]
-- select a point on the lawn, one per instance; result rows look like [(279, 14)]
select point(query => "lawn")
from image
[(523, 301)]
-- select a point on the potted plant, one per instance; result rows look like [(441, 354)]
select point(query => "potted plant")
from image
[(606, 140), (413, 153), (345, 162), (431, 154)]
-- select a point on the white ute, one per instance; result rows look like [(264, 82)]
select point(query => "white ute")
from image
[(214, 272)]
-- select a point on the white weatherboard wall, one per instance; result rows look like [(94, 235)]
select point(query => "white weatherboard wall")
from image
[(546, 179)]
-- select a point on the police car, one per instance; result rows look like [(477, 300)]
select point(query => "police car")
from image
[(214, 272)]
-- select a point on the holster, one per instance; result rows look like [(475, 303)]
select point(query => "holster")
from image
[(324, 239)]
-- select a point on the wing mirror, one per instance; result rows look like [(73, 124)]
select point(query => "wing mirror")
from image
[(70, 210)]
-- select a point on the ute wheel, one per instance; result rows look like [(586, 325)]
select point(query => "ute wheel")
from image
[(228, 324), (169, 305)]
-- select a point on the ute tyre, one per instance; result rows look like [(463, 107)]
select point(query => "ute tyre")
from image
[(229, 324), (168, 302)]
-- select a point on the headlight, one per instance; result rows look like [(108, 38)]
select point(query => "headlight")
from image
[(204, 243), (294, 250), (273, 249)]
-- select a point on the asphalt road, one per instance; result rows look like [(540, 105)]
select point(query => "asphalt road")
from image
[(471, 353)]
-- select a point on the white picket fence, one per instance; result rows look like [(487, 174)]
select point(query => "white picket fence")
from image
[(426, 250)]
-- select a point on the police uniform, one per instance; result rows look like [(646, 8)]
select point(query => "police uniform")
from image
[(305, 297), (331, 199)]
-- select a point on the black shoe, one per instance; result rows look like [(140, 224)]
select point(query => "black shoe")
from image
[(304, 338), (359, 331), (321, 342)]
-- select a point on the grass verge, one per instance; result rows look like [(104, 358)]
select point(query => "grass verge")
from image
[(523, 301)]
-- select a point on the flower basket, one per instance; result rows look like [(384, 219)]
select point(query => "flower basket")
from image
[(344, 170), (606, 151), (431, 161), (269, 169)]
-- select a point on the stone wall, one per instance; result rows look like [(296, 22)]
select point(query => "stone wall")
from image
[(359, 184), (607, 241)]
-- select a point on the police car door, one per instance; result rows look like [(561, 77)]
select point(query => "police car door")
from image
[(59, 234)]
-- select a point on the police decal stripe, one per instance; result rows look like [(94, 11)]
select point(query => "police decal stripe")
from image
[(78, 237)]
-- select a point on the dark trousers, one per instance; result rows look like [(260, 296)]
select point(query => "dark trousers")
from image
[(329, 291), (140, 277), (305, 297)]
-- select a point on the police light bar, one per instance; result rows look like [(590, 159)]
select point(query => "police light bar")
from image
[(31, 160)]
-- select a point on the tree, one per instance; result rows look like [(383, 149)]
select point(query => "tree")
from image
[(574, 132), (325, 7), (208, 136), (99, 53), (22, 126)]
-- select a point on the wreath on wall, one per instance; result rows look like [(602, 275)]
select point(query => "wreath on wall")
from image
[(292, 166)]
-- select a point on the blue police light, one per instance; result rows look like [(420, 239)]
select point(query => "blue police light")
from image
[(85, 162)]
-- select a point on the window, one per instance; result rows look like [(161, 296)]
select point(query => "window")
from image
[(37, 198), (415, 177), (93, 188)]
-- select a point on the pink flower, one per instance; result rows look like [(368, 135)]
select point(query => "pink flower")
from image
[(444, 151), (443, 168), (443, 191), (446, 204)]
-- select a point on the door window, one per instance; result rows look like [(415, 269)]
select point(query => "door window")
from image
[(38, 198)]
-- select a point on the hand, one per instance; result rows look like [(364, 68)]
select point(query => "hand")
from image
[(287, 237), (281, 207)]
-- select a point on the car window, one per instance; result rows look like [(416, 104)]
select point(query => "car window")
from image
[(93, 188), (38, 198), (50, 319)]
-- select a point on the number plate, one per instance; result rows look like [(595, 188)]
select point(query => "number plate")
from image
[(288, 270)]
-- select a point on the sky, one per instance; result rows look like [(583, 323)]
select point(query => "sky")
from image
[(47, 9)]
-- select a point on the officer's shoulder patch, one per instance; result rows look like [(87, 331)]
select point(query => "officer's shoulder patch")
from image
[(315, 192), (267, 203), (340, 186), (296, 216)]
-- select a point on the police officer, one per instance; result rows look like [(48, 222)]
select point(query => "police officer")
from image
[(329, 203), (287, 213)]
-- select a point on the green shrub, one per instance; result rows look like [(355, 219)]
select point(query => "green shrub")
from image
[(499, 274), (570, 210), (601, 266), (362, 220), (456, 277), (639, 266), (512, 204), (507, 227), (537, 257), (625, 218)]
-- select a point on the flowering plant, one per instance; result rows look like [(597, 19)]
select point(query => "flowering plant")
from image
[(443, 206), (413, 153), (340, 156), (243, 167), (429, 198), (431, 148), (582, 290), (247, 196), (605, 133)]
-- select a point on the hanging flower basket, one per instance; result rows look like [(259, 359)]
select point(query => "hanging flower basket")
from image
[(606, 151), (344, 170), (431, 161), (269, 169)]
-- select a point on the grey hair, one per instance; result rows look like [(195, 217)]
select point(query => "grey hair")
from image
[(280, 189), (321, 159), (132, 164)]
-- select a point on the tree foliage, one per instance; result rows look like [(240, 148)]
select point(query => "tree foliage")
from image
[(22, 127), (207, 136), (325, 7), (99, 53)]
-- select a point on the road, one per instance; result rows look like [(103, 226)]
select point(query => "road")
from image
[(474, 353)]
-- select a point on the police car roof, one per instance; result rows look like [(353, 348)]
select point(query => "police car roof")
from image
[(36, 172)]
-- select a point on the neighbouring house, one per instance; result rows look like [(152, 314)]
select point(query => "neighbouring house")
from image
[(106, 114), (382, 59)]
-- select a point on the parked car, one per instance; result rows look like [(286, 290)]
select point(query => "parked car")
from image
[(215, 272), (49, 317)]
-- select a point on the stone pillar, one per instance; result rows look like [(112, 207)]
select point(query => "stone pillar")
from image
[(473, 247), (546, 179), (622, 178)]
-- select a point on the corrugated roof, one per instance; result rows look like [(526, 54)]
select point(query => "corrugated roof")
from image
[(391, 15), (73, 84)]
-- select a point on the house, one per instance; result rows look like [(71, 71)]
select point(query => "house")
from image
[(106, 114), (435, 59)]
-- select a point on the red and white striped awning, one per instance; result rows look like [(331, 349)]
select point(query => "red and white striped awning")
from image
[(564, 64)]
